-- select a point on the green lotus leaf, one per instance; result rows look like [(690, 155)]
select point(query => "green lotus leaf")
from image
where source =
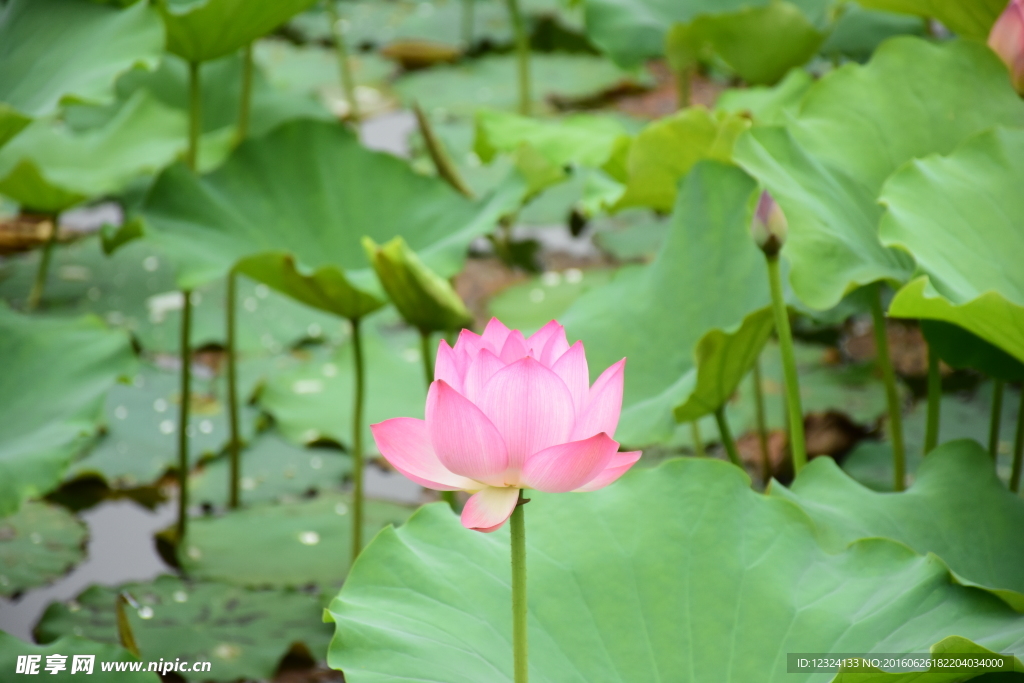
[(961, 349), (708, 275), (959, 216), (531, 304), (768, 105), (666, 150), (38, 544), (759, 43), (858, 32), (11, 648), (57, 51), (139, 443), (426, 301), (955, 495), (285, 545), (272, 470), (291, 208), (51, 168), (244, 634), (854, 128), (971, 19), (632, 31), (201, 30), (990, 316), (490, 82), (56, 374), (313, 399), (135, 289), (722, 358), (712, 565)]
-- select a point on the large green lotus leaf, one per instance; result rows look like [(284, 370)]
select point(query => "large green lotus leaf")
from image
[(38, 544), (58, 51), (303, 197), (709, 275), (11, 648), (956, 508), (135, 289), (56, 374), (313, 399), (722, 358), (49, 167), (962, 417), (768, 105), (242, 633), (759, 43), (530, 305), (858, 32), (973, 19), (961, 349), (632, 31), (139, 444), (272, 470), (201, 30), (631, 235), (666, 150), (990, 316), (490, 82), (854, 128), (960, 218), (681, 573), (284, 545)]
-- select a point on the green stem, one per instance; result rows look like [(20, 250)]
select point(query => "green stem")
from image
[(194, 115), (698, 442), (428, 366), (35, 295), (348, 82), (183, 413), (726, 435), (1018, 447), (931, 433), (357, 442), (892, 394), (793, 407), (519, 633), (446, 169), (234, 442), (245, 104), (995, 419), (762, 423), (683, 84), (522, 55), (468, 7)]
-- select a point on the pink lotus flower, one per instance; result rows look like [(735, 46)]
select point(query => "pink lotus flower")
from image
[(1007, 40), (506, 413)]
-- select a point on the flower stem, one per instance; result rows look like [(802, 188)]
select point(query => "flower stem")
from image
[(245, 104), (726, 435), (468, 20), (891, 392), (348, 83), (698, 442), (194, 115), (446, 168), (683, 83), (523, 56), (995, 419), (428, 367), (234, 442), (519, 634), (35, 295), (1018, 448), (762, 423), (931, 433), (793, 408), (183, 413), (357, 442)]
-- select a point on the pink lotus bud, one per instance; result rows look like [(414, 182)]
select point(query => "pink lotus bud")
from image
[(769, 226), (1007, 40), (505, 413)]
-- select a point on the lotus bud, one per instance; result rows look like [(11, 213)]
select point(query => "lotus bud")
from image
[(769, 226), (1007, 40)]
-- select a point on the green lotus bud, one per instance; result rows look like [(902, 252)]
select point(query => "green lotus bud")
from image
[(769, 227), (423, 298)]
